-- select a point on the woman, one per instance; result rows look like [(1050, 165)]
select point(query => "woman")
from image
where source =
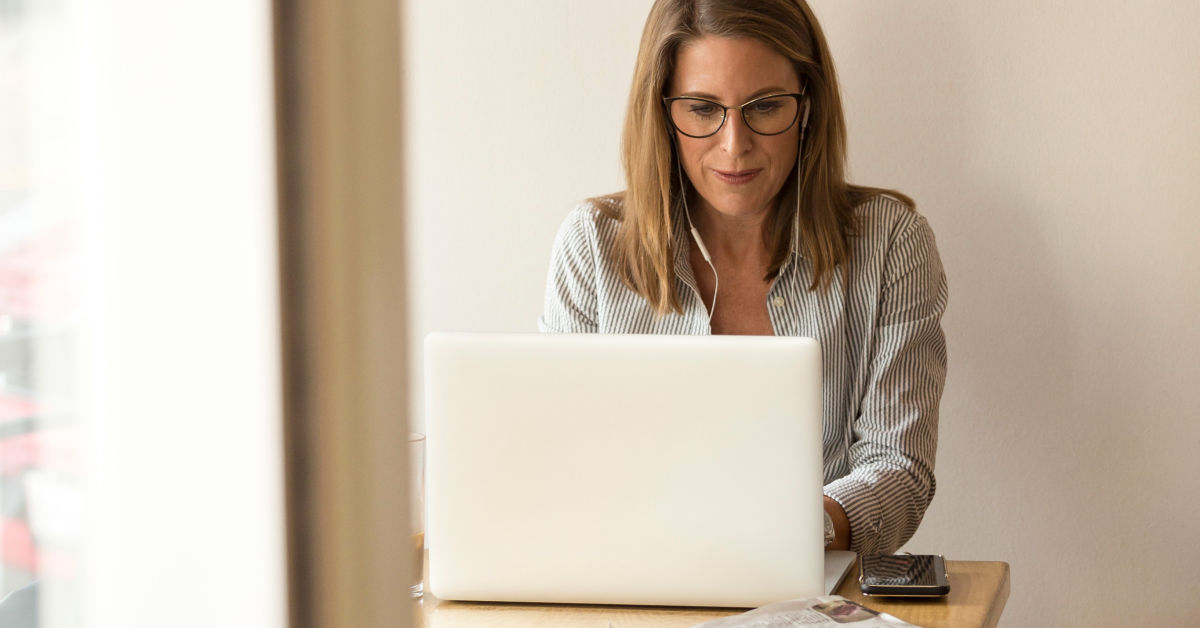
[(737, 219)]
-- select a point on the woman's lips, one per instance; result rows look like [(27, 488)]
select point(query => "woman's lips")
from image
[(736, 177)]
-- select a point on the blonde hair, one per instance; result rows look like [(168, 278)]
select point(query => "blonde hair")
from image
[(644, 245)]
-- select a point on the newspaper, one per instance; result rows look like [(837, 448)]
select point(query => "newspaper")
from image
[(828, 610)]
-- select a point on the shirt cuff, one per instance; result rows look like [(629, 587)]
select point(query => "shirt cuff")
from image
[(857, 498)]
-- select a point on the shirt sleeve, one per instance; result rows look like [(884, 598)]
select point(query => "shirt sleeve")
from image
[(570, 304), (891, 481)]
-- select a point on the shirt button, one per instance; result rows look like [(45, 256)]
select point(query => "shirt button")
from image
[(778, 301)]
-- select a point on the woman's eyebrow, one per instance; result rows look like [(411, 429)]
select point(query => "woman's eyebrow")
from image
[(769, 90), (762, 92)]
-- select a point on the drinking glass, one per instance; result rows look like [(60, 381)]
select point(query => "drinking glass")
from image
[(416, 511)]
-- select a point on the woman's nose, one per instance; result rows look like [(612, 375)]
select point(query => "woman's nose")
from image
[(736, 137)]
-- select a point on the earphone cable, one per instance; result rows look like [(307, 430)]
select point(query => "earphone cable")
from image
[(699, 241)]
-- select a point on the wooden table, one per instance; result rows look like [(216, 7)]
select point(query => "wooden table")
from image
[(978, 591)]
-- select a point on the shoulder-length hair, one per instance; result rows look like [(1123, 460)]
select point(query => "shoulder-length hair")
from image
[(644, 248)]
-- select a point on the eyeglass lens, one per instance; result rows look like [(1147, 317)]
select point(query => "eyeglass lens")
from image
[(767, 116)]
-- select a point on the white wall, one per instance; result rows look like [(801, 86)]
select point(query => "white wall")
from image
[(1054, 148)]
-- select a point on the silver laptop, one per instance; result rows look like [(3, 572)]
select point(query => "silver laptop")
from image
[(658, 470)]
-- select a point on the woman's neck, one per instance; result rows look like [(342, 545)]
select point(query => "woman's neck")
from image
[(737, 240)]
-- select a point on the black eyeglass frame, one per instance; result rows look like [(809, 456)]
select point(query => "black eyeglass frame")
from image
[(741, 109)]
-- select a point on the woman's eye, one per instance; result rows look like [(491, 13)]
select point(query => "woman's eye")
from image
[(703, 110), (765, 107)]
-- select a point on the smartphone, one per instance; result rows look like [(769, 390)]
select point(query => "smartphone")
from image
[(903, 575)]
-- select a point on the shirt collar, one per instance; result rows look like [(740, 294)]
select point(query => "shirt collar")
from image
[(682, 245)]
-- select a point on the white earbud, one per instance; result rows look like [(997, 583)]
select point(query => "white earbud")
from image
[(803, 126)]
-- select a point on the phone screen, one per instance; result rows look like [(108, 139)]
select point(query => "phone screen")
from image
[(903, 570)]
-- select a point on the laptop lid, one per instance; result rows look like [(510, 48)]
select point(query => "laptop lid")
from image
[(660, 470)]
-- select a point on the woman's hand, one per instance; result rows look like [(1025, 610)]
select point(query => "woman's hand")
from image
[(841, 525)]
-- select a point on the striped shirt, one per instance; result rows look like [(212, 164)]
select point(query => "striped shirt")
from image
[(882, 346)]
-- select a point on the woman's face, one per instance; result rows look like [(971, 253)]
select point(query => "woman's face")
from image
[(736, 172)]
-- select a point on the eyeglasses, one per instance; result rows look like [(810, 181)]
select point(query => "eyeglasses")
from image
[(700, 117)]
